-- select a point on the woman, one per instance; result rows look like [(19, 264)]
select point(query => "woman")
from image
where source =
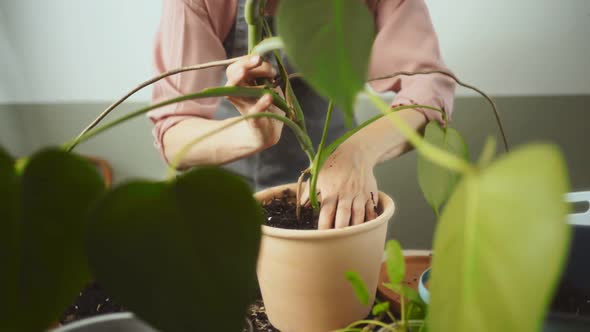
[(199, 31)]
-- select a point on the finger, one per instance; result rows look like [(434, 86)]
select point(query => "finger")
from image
[(261, 105), (235, 77), (358, 211), (237, 70), (374, 198), (370, 212), (327, 213), (343, 212), (265, 70)]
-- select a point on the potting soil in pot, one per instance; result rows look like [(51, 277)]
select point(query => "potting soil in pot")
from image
[(281, 212)]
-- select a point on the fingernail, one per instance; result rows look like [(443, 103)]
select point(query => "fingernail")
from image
[(255, 59)]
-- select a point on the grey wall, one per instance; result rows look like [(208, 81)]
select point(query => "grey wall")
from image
[(11, 138), (564, 120), (128, 147)]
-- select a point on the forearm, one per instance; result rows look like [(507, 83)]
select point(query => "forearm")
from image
[(381, 141), (223, 147)]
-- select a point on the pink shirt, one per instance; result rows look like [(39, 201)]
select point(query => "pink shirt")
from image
[(193, 31)]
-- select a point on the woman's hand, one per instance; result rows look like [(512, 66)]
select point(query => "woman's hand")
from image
[(346, 184), (266, 132), (347, 188)]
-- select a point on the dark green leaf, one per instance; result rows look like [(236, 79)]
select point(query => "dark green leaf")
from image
[(500, 245), (380, 308), (9, 206), (360, 289), (174, 253), (395, 264), (416, 311), (330, 43), (57, 190), (437, 183)]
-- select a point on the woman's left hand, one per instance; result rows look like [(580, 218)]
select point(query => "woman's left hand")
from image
[(347, 188)]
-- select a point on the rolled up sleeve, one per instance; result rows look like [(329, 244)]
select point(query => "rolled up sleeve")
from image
[(187, 35), (406, 41)]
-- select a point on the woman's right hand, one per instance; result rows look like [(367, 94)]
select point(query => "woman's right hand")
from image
[(266, 132)]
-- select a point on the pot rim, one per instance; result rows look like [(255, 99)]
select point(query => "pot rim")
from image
[(384, 201)]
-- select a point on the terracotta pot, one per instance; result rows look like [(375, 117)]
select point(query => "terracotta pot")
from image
[(301, 272)]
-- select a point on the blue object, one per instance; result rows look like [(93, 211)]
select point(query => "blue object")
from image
[(422, 290)]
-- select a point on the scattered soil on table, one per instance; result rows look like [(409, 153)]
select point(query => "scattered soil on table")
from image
[(257, 316), (91, 301), (281, 213)]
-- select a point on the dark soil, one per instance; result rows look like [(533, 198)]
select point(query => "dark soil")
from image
[(281, 213), (92, 301), (570, 300), (257, 315)]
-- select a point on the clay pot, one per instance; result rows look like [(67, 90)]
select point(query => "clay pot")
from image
[(301, 272)]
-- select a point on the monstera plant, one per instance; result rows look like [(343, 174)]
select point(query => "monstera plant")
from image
[(162, 249)]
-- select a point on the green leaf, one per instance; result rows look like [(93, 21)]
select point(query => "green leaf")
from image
[(416, 311), (174, 253), (380, 308), (437, 183), (359, 287), (408, 292), (330, 44), (488, 152), (57, 191), (9, 188), (501, 244), (395, 264)]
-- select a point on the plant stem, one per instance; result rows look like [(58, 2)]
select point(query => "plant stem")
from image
[(370, 327), (304, 140), (463, 84), (267, 45), (154, 80), (429, 151), (313, 195), (301, 136), (403, 313), (290, 96), (370, 321), (253, 16), (298, 202)]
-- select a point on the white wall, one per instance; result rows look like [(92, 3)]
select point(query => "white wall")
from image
[(85, 50)]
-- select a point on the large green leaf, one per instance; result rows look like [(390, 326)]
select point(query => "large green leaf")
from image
[(48, 265), (180, 255), (330, 43), (437, 182), (500, 245), (395, 263), (8, 242)]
